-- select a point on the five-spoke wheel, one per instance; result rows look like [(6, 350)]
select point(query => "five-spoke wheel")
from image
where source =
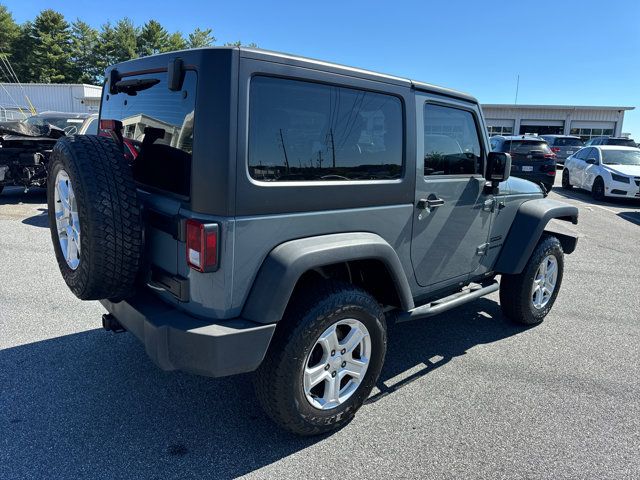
[(67, 221), (337, 364)]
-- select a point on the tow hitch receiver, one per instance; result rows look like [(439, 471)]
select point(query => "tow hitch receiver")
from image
[(111, 324)]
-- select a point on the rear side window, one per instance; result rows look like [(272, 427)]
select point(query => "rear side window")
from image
[(303, 131), (157, 129), (451, 143), (92, 127), (525, 146), (623, 142)]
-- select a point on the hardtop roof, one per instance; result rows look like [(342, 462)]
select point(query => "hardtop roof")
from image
[(295, 60)]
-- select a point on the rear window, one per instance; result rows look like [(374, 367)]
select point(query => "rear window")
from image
[(567, 142), (623, 142), (157, 130), (303, 131), (525, 146)]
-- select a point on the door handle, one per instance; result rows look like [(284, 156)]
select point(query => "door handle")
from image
[(429, 203)]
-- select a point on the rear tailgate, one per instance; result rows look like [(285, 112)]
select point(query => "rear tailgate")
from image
[(529, 156), (156, 124)]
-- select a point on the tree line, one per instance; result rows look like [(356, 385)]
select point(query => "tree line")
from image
[(49, 49)]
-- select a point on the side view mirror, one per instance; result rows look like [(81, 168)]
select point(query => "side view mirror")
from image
[(498, 167), (592, 161)]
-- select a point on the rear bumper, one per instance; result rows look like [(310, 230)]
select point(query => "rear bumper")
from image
[(177, 341)]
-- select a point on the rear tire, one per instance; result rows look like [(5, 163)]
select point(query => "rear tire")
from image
[(106, 217), (281, 383), (566, 183), (520, 298), (597, 190)]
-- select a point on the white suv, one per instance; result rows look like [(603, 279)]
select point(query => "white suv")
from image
[(605, 170)]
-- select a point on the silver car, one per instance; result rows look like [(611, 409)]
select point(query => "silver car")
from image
[(563, 145)]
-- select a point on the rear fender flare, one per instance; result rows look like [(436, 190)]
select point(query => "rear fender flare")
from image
[(287, 262)]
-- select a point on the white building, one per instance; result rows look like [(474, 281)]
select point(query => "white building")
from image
[(584, 121), (16, 100)]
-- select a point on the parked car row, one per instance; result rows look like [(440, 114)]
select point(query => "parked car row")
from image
[(535, 158)]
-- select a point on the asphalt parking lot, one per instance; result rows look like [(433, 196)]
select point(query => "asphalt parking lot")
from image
[(463, 395)]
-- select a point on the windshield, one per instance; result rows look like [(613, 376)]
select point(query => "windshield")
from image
[(568, 142), (621, 157), (56, 121)]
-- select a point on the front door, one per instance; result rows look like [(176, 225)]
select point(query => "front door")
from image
[(452, 215)]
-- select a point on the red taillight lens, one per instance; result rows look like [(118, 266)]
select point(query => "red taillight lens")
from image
[(555, 149), (202, 245), (550, 155), (110, 125)]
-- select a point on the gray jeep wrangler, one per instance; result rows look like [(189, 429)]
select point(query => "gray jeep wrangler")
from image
[(243, 210)]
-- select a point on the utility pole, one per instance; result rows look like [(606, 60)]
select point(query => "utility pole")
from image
[(333, 148), (284, 149)]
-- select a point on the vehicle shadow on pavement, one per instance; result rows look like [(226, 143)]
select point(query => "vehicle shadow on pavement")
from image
[(16, 195), (92, 404), (417, 348), (40, 220), (585, 196), (633, 217)]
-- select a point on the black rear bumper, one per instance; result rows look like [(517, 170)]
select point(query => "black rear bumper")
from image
[(177, 341)]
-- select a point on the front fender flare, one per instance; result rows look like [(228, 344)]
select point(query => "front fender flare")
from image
[(287, 262), (526, 230)]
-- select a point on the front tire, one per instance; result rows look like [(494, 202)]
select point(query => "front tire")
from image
[(566, 183), (527, 298), (324, 359), (597, 190)]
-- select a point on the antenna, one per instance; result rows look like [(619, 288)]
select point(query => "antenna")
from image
[(517, 88)]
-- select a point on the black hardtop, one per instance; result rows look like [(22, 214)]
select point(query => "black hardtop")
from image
[(195, 57)]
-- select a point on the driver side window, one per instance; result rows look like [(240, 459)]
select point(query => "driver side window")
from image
[(451, 142)]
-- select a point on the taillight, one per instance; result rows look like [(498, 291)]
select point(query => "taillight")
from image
[(202, 246), (110, 124), (550, 155), (555, 149)]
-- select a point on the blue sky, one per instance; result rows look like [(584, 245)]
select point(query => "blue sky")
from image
[(566, 52)]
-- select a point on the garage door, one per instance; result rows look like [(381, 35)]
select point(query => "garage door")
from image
[(542, 127), (497, 126), (587, 130)]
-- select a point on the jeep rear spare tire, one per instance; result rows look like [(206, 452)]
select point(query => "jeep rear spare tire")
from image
[(94, 217)]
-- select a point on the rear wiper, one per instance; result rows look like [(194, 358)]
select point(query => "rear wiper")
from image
[(133, 86)]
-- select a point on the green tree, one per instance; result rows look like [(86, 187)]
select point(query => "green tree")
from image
[(84, 52), (175, 42), (153, 38), (22, 54), (51, 53), (200, 38), (9, 31), (116, 44)]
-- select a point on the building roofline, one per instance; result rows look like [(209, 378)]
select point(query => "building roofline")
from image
[(52, 84), (554, 107)]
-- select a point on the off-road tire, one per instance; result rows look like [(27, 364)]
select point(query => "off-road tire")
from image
[(516, 290), (597, 189), (566, 184), (108, 212), (279, 380)]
